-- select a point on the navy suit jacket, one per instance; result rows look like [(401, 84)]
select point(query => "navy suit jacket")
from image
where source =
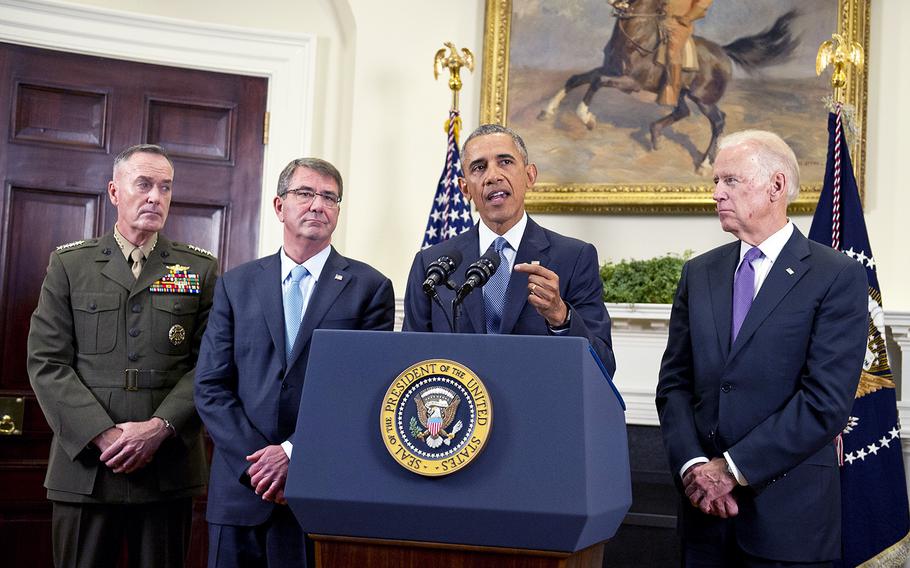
[(774, 399), (246, 393), (579, 285)]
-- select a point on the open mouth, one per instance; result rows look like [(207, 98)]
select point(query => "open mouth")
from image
[(498, 196)]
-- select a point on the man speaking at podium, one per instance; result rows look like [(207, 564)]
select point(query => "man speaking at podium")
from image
[(538, 283)]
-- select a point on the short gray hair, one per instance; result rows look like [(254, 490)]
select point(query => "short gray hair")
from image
[(141, 149), (486, 129), (318, 165), (773, 154)]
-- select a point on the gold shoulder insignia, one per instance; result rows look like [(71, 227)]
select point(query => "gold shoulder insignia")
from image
[(75, 244), (869, 383), (199, 250)]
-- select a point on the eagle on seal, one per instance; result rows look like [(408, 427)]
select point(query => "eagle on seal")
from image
[(436, 410)]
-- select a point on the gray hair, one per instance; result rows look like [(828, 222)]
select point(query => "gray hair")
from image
[(773, 155), (318, 165), (486, 129), (141, 149)]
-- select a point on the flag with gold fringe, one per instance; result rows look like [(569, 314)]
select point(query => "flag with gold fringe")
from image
[(451, 212), (875, 518)]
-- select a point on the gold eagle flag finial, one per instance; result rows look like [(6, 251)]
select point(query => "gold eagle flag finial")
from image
[(839, 53), (454, 61)]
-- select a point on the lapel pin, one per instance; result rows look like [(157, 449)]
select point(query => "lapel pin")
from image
[(535, 262), (790, 271), (339, 277)]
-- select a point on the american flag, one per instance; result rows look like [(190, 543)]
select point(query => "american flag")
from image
[(874, 509), (451, 212)]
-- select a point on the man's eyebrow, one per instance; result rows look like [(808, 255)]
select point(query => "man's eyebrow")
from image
[(151, 180), (500, 156), (302, 188)]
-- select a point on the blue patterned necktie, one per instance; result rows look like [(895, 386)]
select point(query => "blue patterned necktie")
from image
[(293, 307), (744, 289), (494, 293)]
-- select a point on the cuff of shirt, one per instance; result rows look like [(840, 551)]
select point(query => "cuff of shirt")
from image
[(740, 478), (690, 463), (287, 446)]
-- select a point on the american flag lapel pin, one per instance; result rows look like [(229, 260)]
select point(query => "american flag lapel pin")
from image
[(789, 271), (339, 277)]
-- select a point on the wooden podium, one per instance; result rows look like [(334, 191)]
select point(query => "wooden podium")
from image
[(550, 486), (343, 552)]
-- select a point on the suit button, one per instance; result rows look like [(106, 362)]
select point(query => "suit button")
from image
[(136, 308), (133, 357), (165, 254), (726, 387), (134, 332), (176, 305), (92, 306), (711, 435), (284, 386)]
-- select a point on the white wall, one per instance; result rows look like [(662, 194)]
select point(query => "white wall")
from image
[(379, 116)]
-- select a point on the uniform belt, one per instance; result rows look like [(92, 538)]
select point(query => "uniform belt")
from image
[(133, 379)]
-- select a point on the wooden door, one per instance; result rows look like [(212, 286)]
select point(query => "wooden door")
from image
[(63, 119)]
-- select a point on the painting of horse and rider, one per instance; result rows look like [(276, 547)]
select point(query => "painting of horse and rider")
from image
[(635, 92)]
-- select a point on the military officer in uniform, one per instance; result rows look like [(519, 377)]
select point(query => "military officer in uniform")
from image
[(111, 354)]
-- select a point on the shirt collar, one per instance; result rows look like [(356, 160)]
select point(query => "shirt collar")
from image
[(771, 246), (513, 236), (127, 247), (314, 264)]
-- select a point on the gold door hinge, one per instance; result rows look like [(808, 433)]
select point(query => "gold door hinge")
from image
[(265, 128)]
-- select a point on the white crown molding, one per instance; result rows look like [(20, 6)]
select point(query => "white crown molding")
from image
[(287, 60)]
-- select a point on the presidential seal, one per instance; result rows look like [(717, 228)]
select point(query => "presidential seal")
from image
[(436, 417)]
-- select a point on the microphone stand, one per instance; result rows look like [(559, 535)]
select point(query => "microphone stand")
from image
[(451, 286)]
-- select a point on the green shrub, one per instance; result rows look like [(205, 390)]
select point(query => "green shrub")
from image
[(651, 281)]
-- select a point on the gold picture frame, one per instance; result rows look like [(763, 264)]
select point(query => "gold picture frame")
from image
[(648, 196)]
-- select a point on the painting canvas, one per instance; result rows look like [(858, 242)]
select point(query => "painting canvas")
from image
[(612, 147)]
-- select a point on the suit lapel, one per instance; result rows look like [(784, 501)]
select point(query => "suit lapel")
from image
[(533, 246), (334, 278), (786, 271), (720, 289), (267, 287), (473, 304), (116, 269)]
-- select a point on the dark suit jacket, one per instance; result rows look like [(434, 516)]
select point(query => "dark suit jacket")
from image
[(246, 392), (93, 320), (579, 284), (775, 399)]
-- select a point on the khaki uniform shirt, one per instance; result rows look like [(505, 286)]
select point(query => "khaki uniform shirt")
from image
[(105, 348)]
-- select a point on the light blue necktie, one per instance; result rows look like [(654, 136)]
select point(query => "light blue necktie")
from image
[(494, 293), (293, 307)]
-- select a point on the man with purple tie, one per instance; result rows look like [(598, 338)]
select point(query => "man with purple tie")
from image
[(766, 344)]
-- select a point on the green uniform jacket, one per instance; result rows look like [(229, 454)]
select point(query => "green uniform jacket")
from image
[(94, 322)]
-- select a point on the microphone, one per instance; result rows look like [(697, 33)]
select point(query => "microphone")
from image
[(440, 270), (478, 274)]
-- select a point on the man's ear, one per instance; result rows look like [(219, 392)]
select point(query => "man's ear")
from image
[(278, 203), (531, 172), (778, 186), (463, 186), (112, 193)]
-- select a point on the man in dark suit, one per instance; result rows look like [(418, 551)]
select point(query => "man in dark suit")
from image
[(767, 338), (253, 359), (111, 351), (550, 283)]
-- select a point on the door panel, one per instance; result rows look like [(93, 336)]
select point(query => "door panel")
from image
[(63, 119)]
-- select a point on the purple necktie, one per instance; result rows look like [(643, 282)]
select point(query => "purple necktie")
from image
[(744, 289)]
